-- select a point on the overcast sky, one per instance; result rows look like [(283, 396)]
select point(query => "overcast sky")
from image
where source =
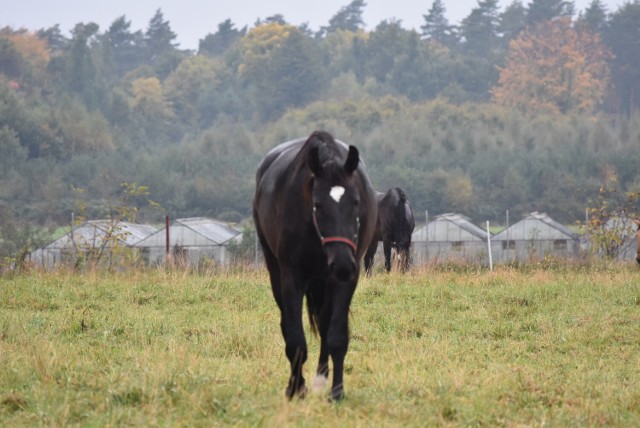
[(192, 20)]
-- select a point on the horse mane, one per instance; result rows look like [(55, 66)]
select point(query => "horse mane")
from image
[(326, 144), (329, 151), (401, 195)]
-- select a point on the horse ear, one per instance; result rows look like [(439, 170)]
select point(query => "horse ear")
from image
[(352, 160), (313, 160)]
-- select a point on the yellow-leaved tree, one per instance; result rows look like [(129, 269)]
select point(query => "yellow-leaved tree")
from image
[(283, 68), (258, 47), (149, 100), (554, 68), (188, 81)]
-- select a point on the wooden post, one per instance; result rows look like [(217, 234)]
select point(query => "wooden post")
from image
[(489, 247), (167, 248)]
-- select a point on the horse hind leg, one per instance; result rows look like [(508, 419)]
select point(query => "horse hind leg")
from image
[(369, 257), (273, 268), (386, 246), (295, 342)]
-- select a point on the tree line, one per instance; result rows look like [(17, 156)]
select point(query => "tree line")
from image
[(526, 108)]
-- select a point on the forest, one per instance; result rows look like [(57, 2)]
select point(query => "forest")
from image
[(534, 107)]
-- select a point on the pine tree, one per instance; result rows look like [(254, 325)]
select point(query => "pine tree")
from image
[(159, 37), (217, 44), (512, 21), (80, 70), (436, 26), (594, 17), (480, 29), (125, 47), (348, 18), (545, 10)]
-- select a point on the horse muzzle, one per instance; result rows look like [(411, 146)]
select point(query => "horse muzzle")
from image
[(341, 263)]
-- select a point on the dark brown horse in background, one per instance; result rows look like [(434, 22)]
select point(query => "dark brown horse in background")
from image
[(315, 213), (394, 227)]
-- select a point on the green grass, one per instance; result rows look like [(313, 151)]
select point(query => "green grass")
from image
[(559, 347)]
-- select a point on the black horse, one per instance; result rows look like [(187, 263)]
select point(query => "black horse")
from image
[(315, 212), (394, 228)]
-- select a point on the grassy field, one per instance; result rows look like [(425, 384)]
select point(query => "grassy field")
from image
[(557, 347)]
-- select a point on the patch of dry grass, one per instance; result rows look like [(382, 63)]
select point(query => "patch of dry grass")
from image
[(432, 347)]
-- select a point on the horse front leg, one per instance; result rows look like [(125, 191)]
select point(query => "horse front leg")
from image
[(338, 343), (295, 342), (338, 335)]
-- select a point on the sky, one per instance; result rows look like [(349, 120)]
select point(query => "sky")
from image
[(192, 20)]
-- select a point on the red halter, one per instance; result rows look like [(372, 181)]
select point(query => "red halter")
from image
[(347, 241), (340, 239)]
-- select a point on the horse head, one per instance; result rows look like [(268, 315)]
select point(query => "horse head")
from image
[(336, 207)]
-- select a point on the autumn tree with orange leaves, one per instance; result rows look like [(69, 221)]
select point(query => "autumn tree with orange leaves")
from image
[(25, 58), (554, 68)]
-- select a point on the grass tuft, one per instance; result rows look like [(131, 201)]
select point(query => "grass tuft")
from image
[(13, 402)]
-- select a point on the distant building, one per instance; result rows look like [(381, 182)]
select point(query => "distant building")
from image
[(93, 239), (623, 230), (449, 237), (629, 250), (534, 237), (191, 240)]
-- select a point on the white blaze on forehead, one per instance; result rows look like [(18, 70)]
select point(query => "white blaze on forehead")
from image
[(336, 193)]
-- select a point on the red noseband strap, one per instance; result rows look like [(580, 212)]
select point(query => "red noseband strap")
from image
[(340, 239)]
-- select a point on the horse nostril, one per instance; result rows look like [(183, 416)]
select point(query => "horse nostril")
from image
[(343, 274), (342, 271)]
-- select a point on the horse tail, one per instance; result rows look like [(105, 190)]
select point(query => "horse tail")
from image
[(400, 208), (313, 315), (314, 303)]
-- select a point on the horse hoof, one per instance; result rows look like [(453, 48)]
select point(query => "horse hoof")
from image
[(337, 393), (319, 383), (300, 393)]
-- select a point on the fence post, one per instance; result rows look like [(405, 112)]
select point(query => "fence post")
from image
[(168, 257), (489, 247)]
